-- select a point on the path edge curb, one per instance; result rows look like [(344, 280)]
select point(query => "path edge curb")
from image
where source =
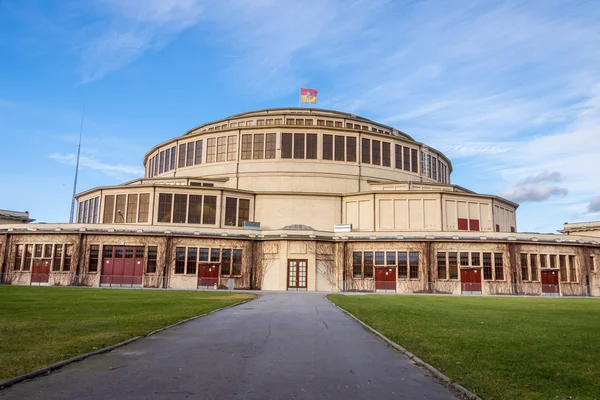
[(34, 374), (416, 360)]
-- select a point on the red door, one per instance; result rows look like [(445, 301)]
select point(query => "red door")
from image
[(385, 279), (208, 275), (122, 266), (41, 271), (550, 282), (297, 274), (470, 280)]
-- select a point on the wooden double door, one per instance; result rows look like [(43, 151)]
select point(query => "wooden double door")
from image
[(297, 277), (41, 271), (550, 282), (122, 266), (470, 280), (208, 275), (385, 279)]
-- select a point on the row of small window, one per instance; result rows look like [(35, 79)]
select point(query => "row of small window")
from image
[(364, 261), (187, 259), (448, 262), (200, 209), (126, 208), (88, 211), (566, 263), (122, 252), (59, 254), (298, 122), (163, 161)]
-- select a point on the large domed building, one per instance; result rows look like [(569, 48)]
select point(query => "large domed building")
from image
[(299, 199)]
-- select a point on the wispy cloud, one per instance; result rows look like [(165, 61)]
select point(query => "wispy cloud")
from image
[(90, 162), (542, 177), (534, 193), (594, 206)]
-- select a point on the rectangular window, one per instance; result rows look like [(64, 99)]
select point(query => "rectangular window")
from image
[(68, 257), (441, 265), (96, 201), (385, 154), (172, 157), (320, 122), (543, 258), (107, 252), (237, 262), (390, 258), (398, 156), (28, 257), (270, 145), (109, 206), (47, 251), (498, 267), (476, 259), (487, 266), (308, 121), (211, 150), (339, 148), (57, 260), (286, 145), (152, 256), (37, 251), (357, 264), (562, 259), (379, 258), (203, 254), (338, 124), (327, 147), (195, 209), (120, 209), (167, 159), (592, 263), (289, 122), (351, 149), (243, 212), (376, 154), (198, 159), (298, 145), (368, 264), (231, 148), (299, 122), (428, 166), (161, 168), (572, 269), (94, 256), (190, 154), (226, 262), (181, 162), (144, 207), (258, 151), (524, 267), (246, 147), (230, 211), (533, 266), (221, 148), (365, 151), (132, 200), (180, 260), (215, 255), (83, 208), (552, 260), (452, 266), (179, 208), (414, 156), (311, 146), (328, 123), (165, 202), (433, 168), (406, 159), (414, 265), (209, 211), (464, 259), (402, 265), (191, 261)]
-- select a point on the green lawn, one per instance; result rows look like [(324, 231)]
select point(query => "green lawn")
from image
[(500, 348), (43, 325)]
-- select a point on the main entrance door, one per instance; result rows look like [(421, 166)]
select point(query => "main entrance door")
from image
[(41, 271), (550, 283), (122, 266), (385, 279), (208, 276), (297, 274), (470, 280)]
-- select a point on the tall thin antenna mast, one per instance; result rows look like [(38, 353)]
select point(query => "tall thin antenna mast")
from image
[(76, 168)]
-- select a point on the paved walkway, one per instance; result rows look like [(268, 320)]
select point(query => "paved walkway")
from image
[(280, 346)]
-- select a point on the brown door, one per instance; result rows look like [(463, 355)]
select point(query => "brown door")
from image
[(208, 275), (122, 266), (385, 279), (297, 274), (550, 282), (470, 280), (41, 271)]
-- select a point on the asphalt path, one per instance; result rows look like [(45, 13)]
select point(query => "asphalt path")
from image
[(279, 346)]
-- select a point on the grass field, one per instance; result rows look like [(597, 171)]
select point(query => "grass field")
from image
[(43, 325), (500, 348)]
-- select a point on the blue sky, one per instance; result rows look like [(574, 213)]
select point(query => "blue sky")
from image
[(510, 91)]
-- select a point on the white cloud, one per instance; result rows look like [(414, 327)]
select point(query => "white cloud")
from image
[(594, 206), (532, 193), (90, 162)]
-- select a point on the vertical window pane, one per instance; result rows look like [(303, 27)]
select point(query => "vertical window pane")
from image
[(58, 251), (230, 211), (441, 264), (244, 211), (211, 150), (498, 266), (181, 162), (195, 209), (452, 266), (406, 159), (357, 264), (487, 266), (563, 267), (259, 142), (198, 159), (414, 265), (398, 156), (237, 262), (246, 147), (144, 207), (191, 260), (132, 200), (414, 157), (524, 267), (162, 162), (368, 264), (385, 154), (28, 254), (351, 149), (180, 260), (379, 258), (390, 258), (167, 159), (203, 254), (209, 211), (109, 206), (327, 147), (299, 145), (120, 209), (172, 157), (215, 255), (231, 148), (179, 208), (366, 151), (340, 150), (152, 255), (376, 156), (534, 267), (572, 269), (286, 145), (271, 145), (402, 265), (96, 201), (226, 262), (311, 146), (165, 201), (464, 259), (221, 148)]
